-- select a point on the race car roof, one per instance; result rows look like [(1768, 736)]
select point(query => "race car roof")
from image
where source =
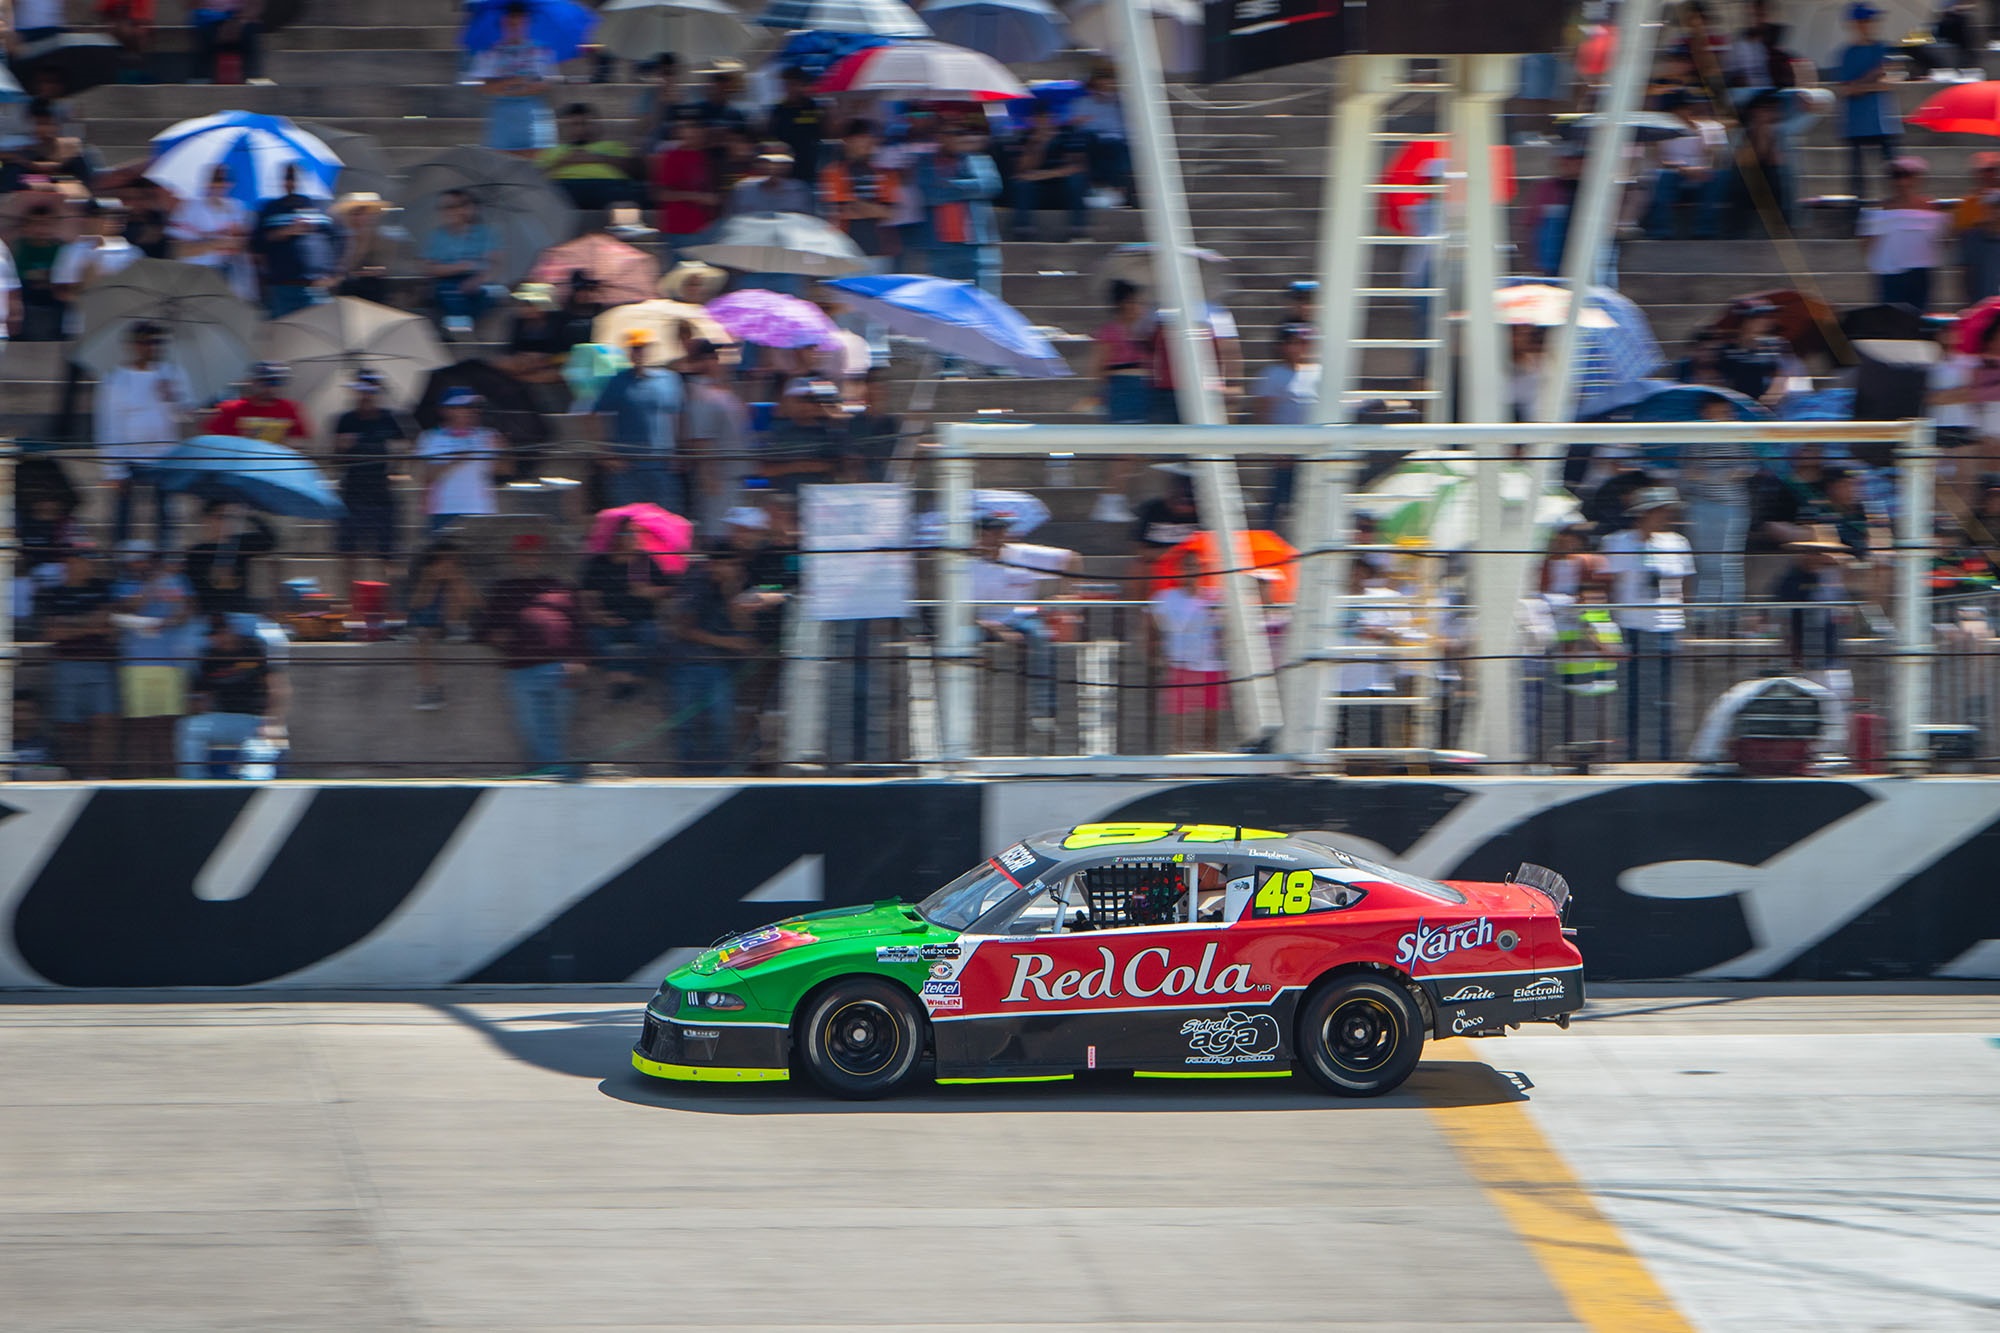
[(1163, 839)]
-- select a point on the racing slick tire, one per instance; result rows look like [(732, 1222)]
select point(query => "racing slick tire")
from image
[(1360, 1036), (861, 1038)]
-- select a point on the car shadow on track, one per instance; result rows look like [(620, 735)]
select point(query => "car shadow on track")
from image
[(597, 1043)]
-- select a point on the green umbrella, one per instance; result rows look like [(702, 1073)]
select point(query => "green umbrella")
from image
[(1429, 500)]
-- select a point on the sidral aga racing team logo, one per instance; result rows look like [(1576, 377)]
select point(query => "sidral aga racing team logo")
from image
[(1235, 1038), (1433, 944)]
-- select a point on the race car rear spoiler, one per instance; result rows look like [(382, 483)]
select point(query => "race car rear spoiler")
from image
[(1545, 882)]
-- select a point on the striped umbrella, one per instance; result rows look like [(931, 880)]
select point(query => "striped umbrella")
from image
[(924, 69), (883, 18), (255, 148), (1013, 32)]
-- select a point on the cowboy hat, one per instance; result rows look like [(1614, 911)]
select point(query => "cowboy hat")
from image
[(1824, 539), (694, 282), (1648, 498)]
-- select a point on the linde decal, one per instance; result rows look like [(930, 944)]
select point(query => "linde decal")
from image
[(1432, 944), (1146, 973), (1469, 991)]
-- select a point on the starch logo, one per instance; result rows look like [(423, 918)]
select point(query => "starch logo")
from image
[(1541, 988), (1432, 944), (1468, 992), (1236, 1038), (1146, 973)]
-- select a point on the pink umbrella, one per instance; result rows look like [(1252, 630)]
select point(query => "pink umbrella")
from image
[(667, 537), (772, 319), (624, 273)]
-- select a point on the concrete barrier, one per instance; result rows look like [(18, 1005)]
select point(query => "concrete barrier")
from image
[(390, 884)]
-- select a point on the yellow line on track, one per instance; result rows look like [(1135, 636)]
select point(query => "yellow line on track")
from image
[(1606, 1285)]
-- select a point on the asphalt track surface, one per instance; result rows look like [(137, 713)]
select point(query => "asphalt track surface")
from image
[(1739, 1161)]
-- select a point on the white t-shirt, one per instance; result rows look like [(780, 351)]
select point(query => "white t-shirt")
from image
[(138, 414), (208, 219), (1905, 238), (87, 258), (1016, 576), (1697, 151), (1190, 630), (1293, 391), (466, 487), (10, 282), (1648, 575)]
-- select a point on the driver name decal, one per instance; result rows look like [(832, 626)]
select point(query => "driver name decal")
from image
[(1433, 944), (1145, 974)]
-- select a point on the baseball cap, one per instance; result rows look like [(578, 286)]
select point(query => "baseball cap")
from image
[(270, 372), (366, 381), (461, 398), (1648, 498), (1862, 13), (1303, 287)]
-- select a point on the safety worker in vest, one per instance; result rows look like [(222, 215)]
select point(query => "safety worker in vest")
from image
[(1588, 646)]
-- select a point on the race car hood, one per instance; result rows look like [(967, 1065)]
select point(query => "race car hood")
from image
[(888, 918)]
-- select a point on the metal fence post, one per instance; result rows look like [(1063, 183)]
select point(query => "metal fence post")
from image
[(1916, 506), (9, 650), (957, 691)]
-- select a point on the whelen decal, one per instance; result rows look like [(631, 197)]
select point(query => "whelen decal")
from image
[(1147, 973), (1433, 944), (1234, 1038)]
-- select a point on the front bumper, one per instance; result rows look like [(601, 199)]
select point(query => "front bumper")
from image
[(706, 1051)]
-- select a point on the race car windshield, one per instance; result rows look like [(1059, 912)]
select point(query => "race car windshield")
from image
[(963, 901), (1428, 887)]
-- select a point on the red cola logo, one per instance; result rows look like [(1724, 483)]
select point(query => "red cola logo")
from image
[(1431, 944), (1147, 973)]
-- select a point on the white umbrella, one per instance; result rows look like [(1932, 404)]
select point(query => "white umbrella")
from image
[(924, 69), (691, 29), (876, 18), (526, 213), (1011, 31), (1177, 25), (364, 163), (210, 330), (255, 148), (326, 344), (782, 243), (1428, 501)]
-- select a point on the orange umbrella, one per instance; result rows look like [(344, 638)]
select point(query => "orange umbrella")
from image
[(1409, 167), (624, 273), (1266, 552)]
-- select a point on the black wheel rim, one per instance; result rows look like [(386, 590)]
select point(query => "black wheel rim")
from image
[(862, 1038), (1361, 1034)]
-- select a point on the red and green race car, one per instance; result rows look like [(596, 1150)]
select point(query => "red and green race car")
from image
[(1166, 950)]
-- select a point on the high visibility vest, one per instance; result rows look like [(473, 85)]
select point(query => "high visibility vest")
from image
[(1593, 631)]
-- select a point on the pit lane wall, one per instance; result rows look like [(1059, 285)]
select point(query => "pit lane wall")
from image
[(407, 885)]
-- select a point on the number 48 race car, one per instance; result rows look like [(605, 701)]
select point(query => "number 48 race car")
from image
[(1168, 950)]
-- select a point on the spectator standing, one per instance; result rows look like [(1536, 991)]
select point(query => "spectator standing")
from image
[(1164, 522), (716, 107), (660, 103), (363, 442), (1190, 628), (1050, 160), (874, 433), (457, 461), (1287, 394), (1649, 564), (516, 75), (219, 566), (34, 254), (531, 619), (155, 607), (717, 443), (1816, 574), (808, 441), (460, 256), (297, 248), (1905, 237), (140, 413), (798, 121), (1868, 105), (715, 641), (262, 413), (1715, 477), (1975, 224), (685, 186), (958, 182), (442, 603), (1689, 169), (232, 695), (228, 38), (214, 232), (595, 173), (620, 598), (1121, 361), (770, 187), (640, 411), (99, 252), (1004, 577), (75, 618), (859, 195)]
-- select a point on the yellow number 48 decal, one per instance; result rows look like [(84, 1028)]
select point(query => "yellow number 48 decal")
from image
[(1284, 895)]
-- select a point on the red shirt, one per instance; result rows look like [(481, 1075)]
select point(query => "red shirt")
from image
[(275, 421), (684, 169)]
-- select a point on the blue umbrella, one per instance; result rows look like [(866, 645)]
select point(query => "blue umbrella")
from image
[(272, 477), (1011, 31), (818, 52), (255, 148), (1663, 400), (562, 26), (1055, 94), (1615, 348), (955, 319), (1819, 405)]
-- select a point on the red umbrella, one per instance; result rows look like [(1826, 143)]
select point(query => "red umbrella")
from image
[(1408, 168), (1965, 108), (667, 537), (936, 70), (1973, 322), (624, 273)]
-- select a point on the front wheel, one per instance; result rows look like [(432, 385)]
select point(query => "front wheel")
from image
[(1360, 1037), (861, 1038)]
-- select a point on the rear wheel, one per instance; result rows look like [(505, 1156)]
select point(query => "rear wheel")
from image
[(861, 1038), (1360, 1036)]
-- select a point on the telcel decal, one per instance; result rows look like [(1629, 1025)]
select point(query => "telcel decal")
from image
[(1467, 993), (1541, 988), (1146, 973), (1433, 944), (1235, 1038)]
